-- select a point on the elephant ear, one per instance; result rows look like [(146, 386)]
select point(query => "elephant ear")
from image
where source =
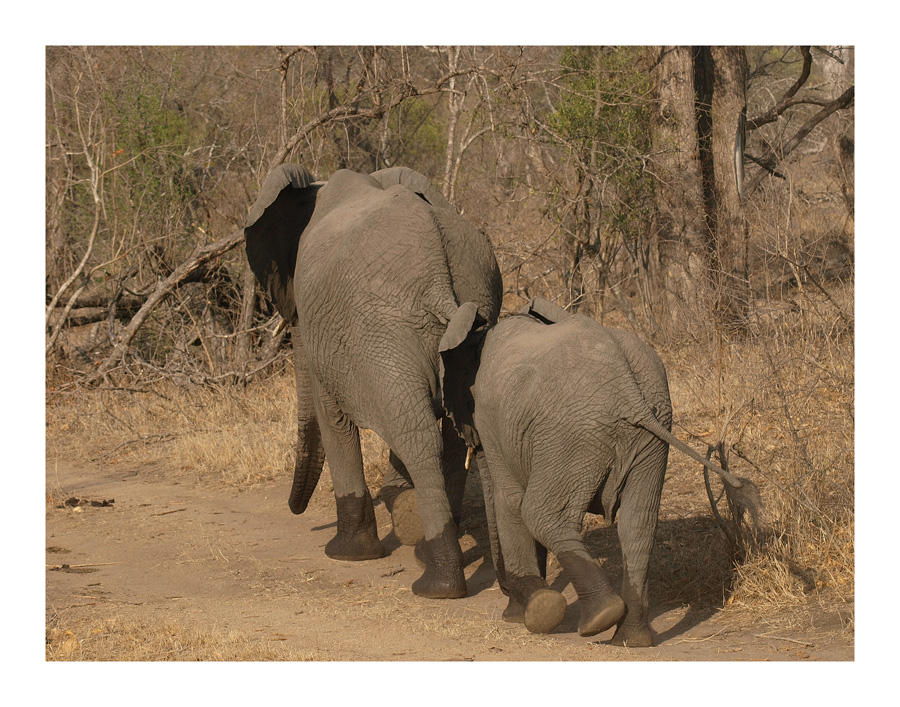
[(273, 229), (460, 350), (545, 311)]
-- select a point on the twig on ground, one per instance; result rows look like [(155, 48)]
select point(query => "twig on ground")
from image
[(806, 644), (89, 564), (165, 513)]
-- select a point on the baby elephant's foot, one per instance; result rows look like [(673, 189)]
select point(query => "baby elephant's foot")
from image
[(533, 603), (633, 636), (546, 609), (600, 613), (514, 612), (601, 607)]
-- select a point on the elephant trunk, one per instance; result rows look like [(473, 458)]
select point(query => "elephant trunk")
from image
[(310, 452), (651, 424)]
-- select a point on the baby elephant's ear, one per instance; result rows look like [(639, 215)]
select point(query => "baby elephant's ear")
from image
[(545, 311), (459, 351)]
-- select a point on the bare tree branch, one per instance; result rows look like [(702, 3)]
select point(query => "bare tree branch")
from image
[(200, 256), (771, 161), (771, 115), (87, 148)]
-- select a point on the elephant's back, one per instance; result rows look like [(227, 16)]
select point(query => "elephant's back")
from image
[(473, 267), (373, 293), (574, 375), (369, 249), (615, 364)]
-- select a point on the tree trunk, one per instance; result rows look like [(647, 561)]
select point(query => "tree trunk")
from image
[(731, 234), (700, 226), (682, 233)]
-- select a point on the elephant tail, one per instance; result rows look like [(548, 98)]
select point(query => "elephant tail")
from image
[(651, 424), (308, 467)]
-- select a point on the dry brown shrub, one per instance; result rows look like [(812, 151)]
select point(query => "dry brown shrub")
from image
[(782, 398)]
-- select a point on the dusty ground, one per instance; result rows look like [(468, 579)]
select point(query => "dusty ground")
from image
[(154, 554)]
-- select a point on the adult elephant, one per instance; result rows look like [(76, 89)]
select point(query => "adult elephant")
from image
[(569, 416), (370, 271)]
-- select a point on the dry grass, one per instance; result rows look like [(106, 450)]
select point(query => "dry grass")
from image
[(117, 639), (238, 436)]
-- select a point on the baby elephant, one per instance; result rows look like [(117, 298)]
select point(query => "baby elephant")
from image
[(567, 416)]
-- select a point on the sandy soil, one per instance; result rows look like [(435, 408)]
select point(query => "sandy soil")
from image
[(155, 549)]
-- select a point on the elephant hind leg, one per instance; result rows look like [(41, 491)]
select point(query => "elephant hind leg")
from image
[(399, 496), (357, 531), (638, 516), (601, 607), (520, 566), (556, 523), (419, 445)]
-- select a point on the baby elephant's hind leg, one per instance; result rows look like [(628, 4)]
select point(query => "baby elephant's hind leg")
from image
[(558, 527)]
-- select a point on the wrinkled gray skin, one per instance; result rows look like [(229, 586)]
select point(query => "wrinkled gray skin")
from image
[(572, 417), (375, 273)]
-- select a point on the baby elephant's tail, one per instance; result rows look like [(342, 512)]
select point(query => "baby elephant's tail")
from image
[(651, 424)]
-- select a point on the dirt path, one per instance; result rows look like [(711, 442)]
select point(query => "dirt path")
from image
[(169, 555)]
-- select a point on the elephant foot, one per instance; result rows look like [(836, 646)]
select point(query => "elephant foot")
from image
[(533, 603), (599, 614), (601, 607), (633, 636), (546, 609), (443, 577), (357, 531), (404, 510), (361, 546)]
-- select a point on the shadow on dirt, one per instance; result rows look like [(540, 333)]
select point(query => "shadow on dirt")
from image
[(690, 567)]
